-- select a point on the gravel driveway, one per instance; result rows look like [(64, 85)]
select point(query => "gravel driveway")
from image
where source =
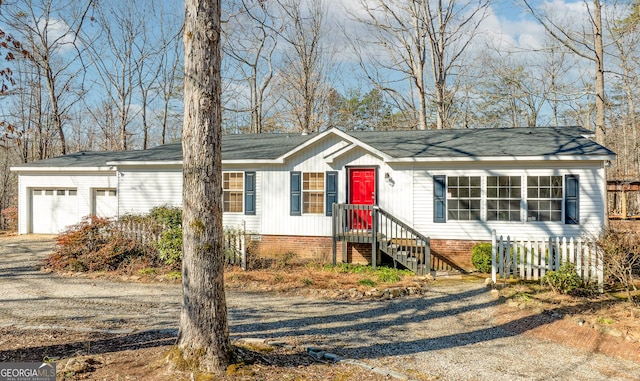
[(447, 334)]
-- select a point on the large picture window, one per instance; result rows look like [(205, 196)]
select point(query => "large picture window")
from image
[(544, 198), (504, 194), (464, 197), (506, 198), (313, 192), (232, 191)]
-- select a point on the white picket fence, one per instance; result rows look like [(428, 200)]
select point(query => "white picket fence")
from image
[(138, 231), (531, 259), (235, 248)]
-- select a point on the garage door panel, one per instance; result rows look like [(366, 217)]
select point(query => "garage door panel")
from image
[(53, 210), (105, 203)]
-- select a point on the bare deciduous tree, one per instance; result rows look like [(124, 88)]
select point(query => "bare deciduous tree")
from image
[(169, 87), (119, 48), (425, 42), (250, 41), (49, 30), (585, 44), (625, 38), (306, 61)]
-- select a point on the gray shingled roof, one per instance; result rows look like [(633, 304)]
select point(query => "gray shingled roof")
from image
[(521, 141), (80, 159), (493, 142)]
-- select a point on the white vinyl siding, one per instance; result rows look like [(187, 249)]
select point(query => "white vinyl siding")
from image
[(592, 198), (141, 189), (404, 189)]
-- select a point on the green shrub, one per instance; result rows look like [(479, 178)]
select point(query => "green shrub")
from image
[(564, 281), (170, 247), (171, 216), (481, 257)]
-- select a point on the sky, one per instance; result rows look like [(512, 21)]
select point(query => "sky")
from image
[(507, 26)]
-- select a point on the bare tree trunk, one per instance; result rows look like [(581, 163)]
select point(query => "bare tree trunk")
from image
[(204, 334), (55, 109), (599, 61)]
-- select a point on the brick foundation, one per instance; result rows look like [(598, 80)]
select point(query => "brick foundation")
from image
[(455, 253), (359, 253), (445, 253), (302, 247)]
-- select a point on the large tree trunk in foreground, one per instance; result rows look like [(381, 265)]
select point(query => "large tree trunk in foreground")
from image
[(203, 340)]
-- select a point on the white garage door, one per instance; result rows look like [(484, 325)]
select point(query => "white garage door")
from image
[(53, 210), (105, 203)]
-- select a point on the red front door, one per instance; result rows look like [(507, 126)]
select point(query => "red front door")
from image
[(362, 191)]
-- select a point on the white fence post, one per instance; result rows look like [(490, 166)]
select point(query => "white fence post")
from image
[(243, 245), (494, 267)]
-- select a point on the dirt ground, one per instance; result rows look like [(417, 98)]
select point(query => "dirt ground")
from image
[(126, 338)]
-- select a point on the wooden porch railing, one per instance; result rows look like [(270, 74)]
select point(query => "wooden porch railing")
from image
[(371, 224)]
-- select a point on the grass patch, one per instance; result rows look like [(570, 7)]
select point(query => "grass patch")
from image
[(147, 271), (174, 275), (367, 282), (605, 321), (383, 273)]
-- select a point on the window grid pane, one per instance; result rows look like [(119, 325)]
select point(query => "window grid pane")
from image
[(503, 198), (232, 192), (544, 198), (313, 192), (464, 198)]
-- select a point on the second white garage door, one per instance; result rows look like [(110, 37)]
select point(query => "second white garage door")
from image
[(105, 203)]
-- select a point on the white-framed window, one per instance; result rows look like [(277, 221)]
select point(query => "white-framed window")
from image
[(464, 198), (313, 192), (55, 192), (544, 198), (106, 192), (232, 192), (508, 198), (504, 196)]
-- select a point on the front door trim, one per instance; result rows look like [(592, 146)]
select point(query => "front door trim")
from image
[(375, 182)]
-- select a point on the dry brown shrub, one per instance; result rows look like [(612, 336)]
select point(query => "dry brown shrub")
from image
[(95, 245), (621, 254)]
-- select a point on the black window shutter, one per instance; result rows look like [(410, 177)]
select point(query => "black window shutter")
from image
[(572, 200), (250, 193), (331, 191), (439, 198), (296, 194)]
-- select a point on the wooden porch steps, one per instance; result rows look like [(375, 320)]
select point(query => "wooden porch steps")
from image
[(388, 235)]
